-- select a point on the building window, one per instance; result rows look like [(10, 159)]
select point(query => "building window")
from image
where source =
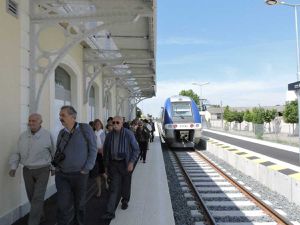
[(62, 94), (92, 104)]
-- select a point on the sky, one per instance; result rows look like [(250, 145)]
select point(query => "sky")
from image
[(245, 49)]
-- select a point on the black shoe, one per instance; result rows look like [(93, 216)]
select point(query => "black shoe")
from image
[(108, 216), (124, 205), (43, 219)]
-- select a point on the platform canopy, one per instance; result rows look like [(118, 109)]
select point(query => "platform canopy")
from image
[(118, 36)]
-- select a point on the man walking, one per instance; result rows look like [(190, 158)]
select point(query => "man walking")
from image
[(152, 124), (75, 156), (34, 151), (121, 151)]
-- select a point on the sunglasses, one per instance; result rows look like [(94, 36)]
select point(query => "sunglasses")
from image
[(115, 122)]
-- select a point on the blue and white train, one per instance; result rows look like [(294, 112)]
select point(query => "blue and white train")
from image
[(181, 123)]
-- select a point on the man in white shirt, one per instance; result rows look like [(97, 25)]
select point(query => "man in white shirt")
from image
[(34, 151)]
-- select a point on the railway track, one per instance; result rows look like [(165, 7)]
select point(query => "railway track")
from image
[(217, 198)]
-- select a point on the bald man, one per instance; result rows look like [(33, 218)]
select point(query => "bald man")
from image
[(35, 150)]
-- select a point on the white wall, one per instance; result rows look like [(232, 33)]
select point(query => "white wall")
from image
[(14, 96)]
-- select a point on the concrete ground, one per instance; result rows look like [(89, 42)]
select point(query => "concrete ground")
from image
[(150, 199)]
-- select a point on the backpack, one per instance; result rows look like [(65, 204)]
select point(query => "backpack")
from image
[(143, 135), (146, 133)]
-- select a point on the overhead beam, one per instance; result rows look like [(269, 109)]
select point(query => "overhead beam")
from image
[(131, 70), (123, 52), (101, 10), (118, 61), (130, 76)]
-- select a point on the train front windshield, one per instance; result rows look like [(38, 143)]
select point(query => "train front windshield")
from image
[(181, 109)]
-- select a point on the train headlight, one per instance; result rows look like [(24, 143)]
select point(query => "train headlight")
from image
[(175, 125), (191, 125)]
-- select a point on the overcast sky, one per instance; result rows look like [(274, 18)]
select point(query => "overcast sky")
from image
[(245, 49)]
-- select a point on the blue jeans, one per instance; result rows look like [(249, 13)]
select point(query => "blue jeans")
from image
[(71, 197)]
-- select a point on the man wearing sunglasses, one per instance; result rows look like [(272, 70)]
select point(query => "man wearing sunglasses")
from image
[(121, 151)]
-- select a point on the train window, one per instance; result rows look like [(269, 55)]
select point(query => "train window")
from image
[(181, 109)]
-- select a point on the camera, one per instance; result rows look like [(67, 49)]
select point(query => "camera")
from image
[(58, 157)]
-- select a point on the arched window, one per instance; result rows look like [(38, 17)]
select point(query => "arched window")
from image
[(92, 104), (62, 94)]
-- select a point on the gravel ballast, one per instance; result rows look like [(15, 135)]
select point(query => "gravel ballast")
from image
[(278, 201)]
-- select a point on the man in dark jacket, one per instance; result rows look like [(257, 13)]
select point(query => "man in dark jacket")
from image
[(121, 151), (75, 156)]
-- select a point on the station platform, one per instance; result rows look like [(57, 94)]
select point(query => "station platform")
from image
[(274, 165), (150, 201)]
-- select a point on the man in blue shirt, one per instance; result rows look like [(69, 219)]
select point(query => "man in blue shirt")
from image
[(75, 156)]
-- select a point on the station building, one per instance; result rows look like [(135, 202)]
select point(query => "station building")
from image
[(98, 56)]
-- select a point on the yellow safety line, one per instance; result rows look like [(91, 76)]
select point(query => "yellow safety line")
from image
[(276, 167), (225, 146), (295, 176), (260, 160), (232, 149), (236, 151), (247, 155), (272, 167)]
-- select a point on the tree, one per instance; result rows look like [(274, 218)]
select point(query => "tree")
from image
[(258, 115), (238, 117), (248, 117), (268, 116), (258, 120), (192, 94), (290, 113), (228, 115)]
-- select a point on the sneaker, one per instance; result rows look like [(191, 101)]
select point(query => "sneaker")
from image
[(108, 216), (124, 205)]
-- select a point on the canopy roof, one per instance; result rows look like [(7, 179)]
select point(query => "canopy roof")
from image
[(118, 35)]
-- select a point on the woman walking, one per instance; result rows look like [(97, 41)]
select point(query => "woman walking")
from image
[(100, 137)]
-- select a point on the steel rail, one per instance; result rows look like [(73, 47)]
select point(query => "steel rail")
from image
[(267, 209), (207, 215)]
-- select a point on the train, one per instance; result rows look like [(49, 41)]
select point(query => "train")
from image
[(181, 123)]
